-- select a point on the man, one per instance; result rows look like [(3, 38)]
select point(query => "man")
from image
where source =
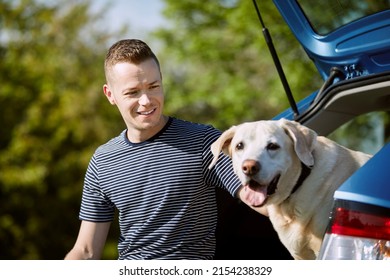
[(155, 173)]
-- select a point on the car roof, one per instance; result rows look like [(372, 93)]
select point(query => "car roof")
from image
[(353, 38)]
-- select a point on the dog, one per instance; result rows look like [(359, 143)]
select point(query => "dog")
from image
[(289, 173)]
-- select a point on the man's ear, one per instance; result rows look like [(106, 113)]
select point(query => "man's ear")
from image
[(108, 93)]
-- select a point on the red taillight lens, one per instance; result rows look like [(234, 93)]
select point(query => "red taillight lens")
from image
[(360, 224)]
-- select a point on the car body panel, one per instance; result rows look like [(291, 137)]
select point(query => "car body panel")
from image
[(366, 185), (360, 47)]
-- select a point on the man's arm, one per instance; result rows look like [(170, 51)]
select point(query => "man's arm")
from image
[(90, 241)]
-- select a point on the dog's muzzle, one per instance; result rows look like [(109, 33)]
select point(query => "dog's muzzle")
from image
[(271, 187)]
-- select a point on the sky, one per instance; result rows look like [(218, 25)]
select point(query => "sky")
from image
[(141, 16)]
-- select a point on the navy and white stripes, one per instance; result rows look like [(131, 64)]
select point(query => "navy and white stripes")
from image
[(162, 189)]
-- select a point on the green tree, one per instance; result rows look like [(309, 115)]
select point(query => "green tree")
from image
[(219, 70), (217, 66), (52, 117)]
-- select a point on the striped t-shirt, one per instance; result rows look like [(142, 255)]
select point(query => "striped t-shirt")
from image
[(162, 189)]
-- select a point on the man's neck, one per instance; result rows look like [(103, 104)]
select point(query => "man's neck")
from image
[(141, 135)]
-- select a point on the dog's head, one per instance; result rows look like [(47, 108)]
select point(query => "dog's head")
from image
[(267, 155)]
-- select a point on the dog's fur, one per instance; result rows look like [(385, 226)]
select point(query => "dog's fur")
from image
[(269, 154)]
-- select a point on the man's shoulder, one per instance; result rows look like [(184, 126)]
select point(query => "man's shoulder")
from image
[(192, 133), (113, 144), (193, 126)]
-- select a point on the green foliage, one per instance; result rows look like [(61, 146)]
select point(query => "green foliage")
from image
[(217, 67), (52, 118)]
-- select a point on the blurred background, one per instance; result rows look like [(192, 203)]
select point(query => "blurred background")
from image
[(53, 114)]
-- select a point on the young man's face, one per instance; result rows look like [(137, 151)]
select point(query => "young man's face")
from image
[(138, 93)]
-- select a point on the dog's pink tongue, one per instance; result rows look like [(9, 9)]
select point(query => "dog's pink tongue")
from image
[(254, 198)]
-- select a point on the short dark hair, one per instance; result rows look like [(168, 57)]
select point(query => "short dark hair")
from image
[(128, 50)]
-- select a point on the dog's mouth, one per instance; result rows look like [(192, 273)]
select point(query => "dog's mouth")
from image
[(271, 189), (259, 193)]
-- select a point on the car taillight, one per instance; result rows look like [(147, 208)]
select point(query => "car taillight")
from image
[(355, 234)]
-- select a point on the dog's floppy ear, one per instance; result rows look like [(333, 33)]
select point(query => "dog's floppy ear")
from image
[(222, 144), (304, 140)]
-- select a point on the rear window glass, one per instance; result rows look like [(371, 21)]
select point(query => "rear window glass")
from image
[(326, 16)]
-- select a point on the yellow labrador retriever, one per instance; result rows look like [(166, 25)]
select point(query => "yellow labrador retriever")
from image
[(289, 173)]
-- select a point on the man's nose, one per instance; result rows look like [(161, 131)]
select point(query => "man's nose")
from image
[(144, 98)]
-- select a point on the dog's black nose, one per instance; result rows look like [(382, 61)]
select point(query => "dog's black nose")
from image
[(250, 167)]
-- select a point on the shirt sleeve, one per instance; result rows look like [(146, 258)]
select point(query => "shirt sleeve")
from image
[(221, 174), (95, 206)]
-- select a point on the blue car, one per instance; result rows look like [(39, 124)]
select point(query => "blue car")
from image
[(349, 42)]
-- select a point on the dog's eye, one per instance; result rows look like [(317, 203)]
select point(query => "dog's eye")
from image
[(272, 146), (239, 146)]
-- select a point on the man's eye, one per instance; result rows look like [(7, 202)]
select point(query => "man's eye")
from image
[(240, 146), (272, 146), (132, 93)]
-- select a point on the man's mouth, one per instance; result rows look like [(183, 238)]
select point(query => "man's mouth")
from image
[(145, 113)]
